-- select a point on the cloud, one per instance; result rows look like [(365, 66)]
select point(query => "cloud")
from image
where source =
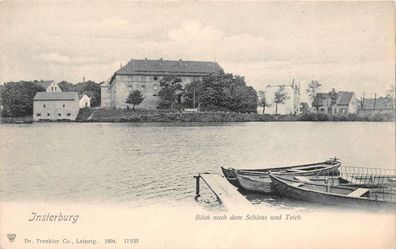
[(195, 32), (54, 58)]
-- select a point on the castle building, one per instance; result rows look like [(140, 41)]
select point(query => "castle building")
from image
[(145, 76)]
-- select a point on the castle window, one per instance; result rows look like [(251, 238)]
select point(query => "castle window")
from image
[(59, 114), (48, 114), (155, 77), (143, 86), (38, 114), (63, 105), (44, 105), (68, 114)]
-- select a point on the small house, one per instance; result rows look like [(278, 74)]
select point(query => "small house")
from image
[(346, 103), (322, 102), (55, 106), (336, 102), (378, 105), (49, 85), (85, 101)]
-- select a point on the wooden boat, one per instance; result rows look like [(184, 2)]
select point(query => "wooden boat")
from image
[(333, 195), (258, 179), (344, 180)]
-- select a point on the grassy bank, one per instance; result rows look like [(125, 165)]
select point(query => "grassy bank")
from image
[(118, 115), (113, 115), (16, 120)]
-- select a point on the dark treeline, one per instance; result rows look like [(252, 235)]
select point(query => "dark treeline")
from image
[(224, 92)]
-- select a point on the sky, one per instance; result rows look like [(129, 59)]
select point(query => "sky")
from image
[(343, 45)]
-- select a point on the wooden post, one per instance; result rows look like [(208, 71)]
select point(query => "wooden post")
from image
[(328, 186), (197, 185)]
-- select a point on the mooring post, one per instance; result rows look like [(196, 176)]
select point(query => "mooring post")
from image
[(328, 186), (197, 185)]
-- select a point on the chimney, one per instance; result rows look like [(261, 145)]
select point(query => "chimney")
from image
[(180, 62), (145, 62), (83, 79)]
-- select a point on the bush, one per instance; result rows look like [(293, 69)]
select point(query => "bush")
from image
[(17, 98)]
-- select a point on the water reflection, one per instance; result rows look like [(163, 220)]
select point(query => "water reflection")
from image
[(154, 162)]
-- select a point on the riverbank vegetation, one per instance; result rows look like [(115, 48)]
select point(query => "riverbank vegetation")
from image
[(123, 115), (120, 115)]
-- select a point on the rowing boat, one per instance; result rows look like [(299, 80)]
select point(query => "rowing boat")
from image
[(333, 194), (258, 180)]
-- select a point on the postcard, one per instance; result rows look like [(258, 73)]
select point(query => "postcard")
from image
[(197, 124)]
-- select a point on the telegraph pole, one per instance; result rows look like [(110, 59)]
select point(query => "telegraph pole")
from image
[(194, 100)]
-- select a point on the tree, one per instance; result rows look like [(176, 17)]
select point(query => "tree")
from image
[(135, 98), (192, 92), (391, 94), (229, 92), (313, 88), (280, 97), (263, 101), (90, 88), (333, 99), (171, 91), (17, 98)]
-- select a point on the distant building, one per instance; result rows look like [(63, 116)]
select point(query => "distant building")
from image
[(336, 102), (346, 103), (49, 85), (105, 100), (378, 105), (145, 76), (84, 101), (304, 108), (290, 106), (55, 106), (322, 103)]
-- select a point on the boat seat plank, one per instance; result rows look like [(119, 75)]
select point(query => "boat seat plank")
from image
[(350, 179), (297, 184), (302, 178), (358, 192)]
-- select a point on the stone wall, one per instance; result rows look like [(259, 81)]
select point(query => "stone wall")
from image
[(105, 100)]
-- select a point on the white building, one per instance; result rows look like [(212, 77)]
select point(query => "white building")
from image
[(290, 106), (145, 76), (55, 106), (85, 101), (105, 100), (49, 85)]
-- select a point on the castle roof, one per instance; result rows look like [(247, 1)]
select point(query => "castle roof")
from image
[(171, 67)]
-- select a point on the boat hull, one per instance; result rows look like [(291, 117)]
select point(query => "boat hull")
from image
[(262, 182), (231, 174), (286, 189)]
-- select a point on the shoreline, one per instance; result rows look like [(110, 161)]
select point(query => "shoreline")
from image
[(143, 116)]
